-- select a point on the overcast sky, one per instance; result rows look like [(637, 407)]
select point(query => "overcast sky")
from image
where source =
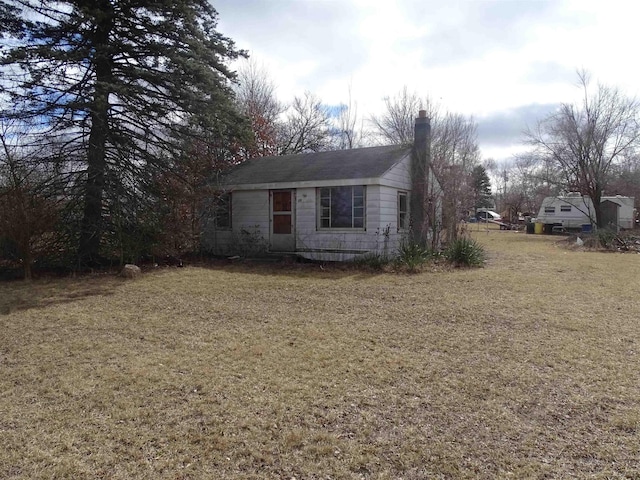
[(506, 62)]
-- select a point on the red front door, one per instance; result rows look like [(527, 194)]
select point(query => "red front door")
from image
[(282, 234)]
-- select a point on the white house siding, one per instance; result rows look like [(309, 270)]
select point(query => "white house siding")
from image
[(333, 245), (250, 225), (399, 176), (394, 181), (381, 234), (389, 219)]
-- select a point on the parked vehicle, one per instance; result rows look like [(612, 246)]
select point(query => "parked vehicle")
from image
[(484, 214), (575, 211)]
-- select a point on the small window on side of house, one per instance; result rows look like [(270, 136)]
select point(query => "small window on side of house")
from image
[(549, 209), (403, 211), (223, 211), (565, 208)]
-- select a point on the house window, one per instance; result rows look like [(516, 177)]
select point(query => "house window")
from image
[(549, 209), (565, 208), (223, 211), (403, 211), (341, 207)]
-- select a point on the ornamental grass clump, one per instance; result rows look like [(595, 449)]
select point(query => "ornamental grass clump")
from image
[(412, 255), (465, 252), (605, 237)]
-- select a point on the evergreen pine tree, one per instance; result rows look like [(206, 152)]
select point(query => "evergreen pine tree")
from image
[(481, 187), (119, 84)]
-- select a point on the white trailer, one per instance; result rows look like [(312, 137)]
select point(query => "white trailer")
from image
[(572, 211)]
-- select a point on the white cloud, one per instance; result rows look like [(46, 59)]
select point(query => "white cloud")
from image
[(487, 58)]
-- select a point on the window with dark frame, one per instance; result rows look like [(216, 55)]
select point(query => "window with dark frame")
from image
[(549, 209), (341, 207), (565, 208), (403, 211)]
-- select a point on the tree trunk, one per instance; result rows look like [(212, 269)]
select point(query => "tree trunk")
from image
[(94, 187), (25, 248), (596, 199), (91, 232), (27, 262)]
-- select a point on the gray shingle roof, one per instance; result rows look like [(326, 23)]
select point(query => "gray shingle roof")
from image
[(335, 165)]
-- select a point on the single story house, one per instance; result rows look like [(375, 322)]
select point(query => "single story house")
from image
[(330, 206)]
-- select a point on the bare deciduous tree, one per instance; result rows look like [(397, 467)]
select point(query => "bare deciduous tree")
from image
[(626, 178), (307, 127), (455, 153), (395, 125), (454, 148), (256, 97), (534, 180), (348, 136), (28, 211), (584, 141)]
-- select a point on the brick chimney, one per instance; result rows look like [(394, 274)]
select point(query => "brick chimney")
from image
[(422, 134), (420, 179)]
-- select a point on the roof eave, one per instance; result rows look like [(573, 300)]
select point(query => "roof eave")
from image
[(306, 184)]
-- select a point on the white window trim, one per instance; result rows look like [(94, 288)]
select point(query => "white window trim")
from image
[(401, 227), (319, 216)]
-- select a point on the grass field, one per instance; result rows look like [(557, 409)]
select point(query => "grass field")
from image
[(527, 368)]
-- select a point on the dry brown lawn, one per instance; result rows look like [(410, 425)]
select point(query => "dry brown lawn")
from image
[(527, 368)]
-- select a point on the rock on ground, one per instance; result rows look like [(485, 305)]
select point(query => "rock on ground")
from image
[(130, 271)]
